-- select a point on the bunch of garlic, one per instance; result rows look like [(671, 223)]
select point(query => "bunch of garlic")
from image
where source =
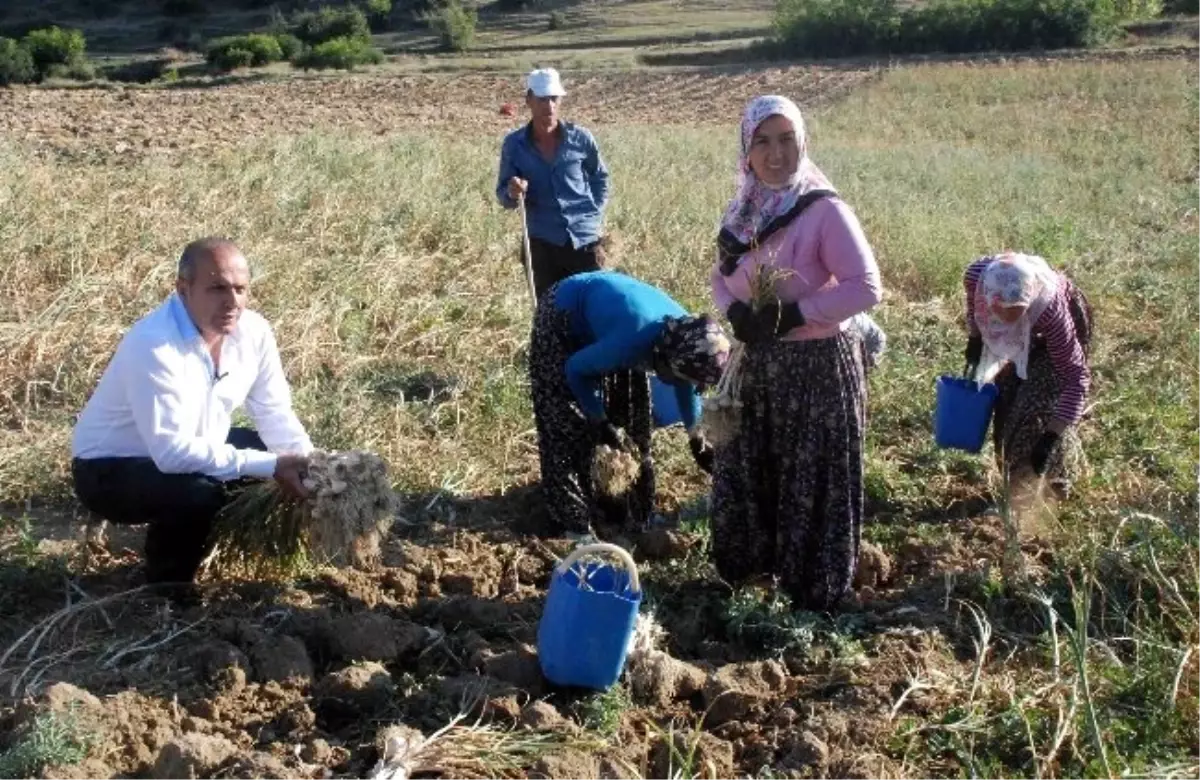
[(351, 507), (614, 471), (721, 414)]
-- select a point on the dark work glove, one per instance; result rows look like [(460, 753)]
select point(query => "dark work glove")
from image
[(607, 433), (744, 322), (702, 452), (789, 318), (973, 355), (1042, 452)]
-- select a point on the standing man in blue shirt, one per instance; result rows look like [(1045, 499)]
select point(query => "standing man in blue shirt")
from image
[(556, 166)]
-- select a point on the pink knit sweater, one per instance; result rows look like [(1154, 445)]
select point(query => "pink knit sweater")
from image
[(830, 270)]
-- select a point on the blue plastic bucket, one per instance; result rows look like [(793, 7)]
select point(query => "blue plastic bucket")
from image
[(664, 405), (964, 410), (589, 618)]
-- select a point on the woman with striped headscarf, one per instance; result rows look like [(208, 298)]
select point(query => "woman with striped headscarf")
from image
[(1029, 330), (793, 270)]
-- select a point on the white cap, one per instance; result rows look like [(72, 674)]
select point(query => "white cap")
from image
[(544, 82)]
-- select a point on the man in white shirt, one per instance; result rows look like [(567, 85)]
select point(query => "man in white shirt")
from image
[(154, 443)]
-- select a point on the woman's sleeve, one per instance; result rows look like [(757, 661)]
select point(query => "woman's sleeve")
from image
[(588, 367), (970, 282), (846, 254), (1070, 365)]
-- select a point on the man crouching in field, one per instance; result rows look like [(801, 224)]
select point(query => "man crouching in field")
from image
[(154, 444)]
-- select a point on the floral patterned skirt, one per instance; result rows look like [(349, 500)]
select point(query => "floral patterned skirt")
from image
[(788, 489), (566, 440)]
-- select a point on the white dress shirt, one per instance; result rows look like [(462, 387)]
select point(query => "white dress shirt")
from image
[(160, 398)]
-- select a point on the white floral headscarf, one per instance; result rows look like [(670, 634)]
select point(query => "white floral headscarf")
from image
[(755, 204), (695, 349), (1011, 279)]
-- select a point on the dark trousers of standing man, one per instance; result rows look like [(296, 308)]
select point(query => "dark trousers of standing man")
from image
[(179, 508), (553, 263)]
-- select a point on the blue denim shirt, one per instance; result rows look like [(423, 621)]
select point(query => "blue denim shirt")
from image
[(565, 197), (616, 319)]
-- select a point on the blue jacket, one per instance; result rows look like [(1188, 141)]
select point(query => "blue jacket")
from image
[(565, 197), (618, 318)]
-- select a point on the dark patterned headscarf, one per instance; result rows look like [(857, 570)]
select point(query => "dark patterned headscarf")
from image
[(693, 349)]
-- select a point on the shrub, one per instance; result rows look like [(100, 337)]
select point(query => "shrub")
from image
[(849, 27), (379, 13), (78, 70), (16, 63), (54, 46), (1132, 10), (263, 50), (227, 59), (328, 24), (289, 45), (137, 71), (836, 27), (558, 20), (342, 53), (454, 25), (1181, 7)]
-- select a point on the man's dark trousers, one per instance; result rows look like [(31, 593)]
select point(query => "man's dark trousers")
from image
[(178, 508)]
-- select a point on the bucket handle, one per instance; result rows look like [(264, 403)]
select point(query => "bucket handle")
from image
[(603, 547)]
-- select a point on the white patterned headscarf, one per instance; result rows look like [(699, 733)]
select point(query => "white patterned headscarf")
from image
[(1009, 280), (755, 204)]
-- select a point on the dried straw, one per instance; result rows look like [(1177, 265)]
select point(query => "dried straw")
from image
[(472, 750)]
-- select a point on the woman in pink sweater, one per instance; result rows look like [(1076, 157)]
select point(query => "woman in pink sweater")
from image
[(788, 489)]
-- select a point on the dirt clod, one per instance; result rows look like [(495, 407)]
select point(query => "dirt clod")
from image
[(567, 764), (192, 756), (210, 658), (364, 688), (298, 719), (738, 691), (659, 544), (543, 716), (519, 666), (371, 636), (804, 750), (660, 679), (281, 659), (874, 567), (259, 765)]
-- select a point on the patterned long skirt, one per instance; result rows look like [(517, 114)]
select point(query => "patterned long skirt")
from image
[(567, 442), (1024, 407), (788, 490)]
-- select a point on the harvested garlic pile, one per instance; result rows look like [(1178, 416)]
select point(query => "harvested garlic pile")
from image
[(352, 505)]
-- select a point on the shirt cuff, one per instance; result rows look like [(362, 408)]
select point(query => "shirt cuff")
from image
[(260, 465)]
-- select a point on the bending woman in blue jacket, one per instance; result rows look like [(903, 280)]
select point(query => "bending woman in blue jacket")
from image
[(596, 336)]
